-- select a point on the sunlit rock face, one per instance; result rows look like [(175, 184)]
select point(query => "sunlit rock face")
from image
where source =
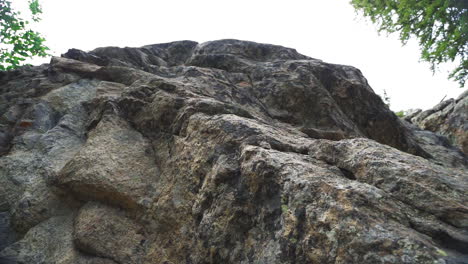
[(222, 152)]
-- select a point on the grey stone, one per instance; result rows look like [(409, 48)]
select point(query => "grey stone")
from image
[(449, 118), (223, 152)]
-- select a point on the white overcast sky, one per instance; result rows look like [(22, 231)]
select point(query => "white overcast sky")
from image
[(328, 30)]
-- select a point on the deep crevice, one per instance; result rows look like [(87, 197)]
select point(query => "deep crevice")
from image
[(450, 242), (348, 174)]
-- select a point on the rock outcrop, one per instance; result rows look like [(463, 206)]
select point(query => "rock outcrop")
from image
[(221, 152), (449, 118)]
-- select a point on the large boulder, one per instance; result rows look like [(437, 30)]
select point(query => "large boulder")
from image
[(222, 152)]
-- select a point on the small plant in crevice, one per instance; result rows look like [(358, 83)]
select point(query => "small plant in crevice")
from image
[(400, 113)]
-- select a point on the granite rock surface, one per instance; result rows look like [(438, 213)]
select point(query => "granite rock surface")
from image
[(221, 152), (448, 118)]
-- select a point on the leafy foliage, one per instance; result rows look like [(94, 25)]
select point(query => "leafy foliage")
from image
[(441, 26), (17, 42), (400, 113)]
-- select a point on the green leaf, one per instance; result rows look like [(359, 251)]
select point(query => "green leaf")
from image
[(441, 26), (19, 41)]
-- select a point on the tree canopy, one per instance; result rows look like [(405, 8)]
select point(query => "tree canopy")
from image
[(441, 27), (17, 41)]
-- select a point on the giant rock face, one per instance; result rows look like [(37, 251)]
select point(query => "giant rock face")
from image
[(221, 152)]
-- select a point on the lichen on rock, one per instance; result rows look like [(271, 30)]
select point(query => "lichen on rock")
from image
[(221, 152)]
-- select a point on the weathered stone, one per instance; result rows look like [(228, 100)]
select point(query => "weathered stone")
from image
[(449, 118), (7, 235), (114, 166), (49, 242), (107, 232), (222, 152), (82, 68)]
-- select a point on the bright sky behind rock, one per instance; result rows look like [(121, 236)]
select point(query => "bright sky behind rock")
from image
[(329, 30)]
